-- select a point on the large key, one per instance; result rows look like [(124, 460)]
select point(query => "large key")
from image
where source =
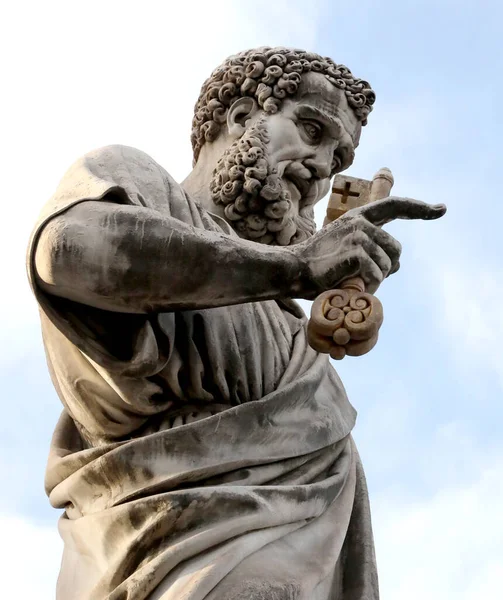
[(346, 321)]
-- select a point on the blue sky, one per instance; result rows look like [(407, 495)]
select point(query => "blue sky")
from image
[(429, 395)]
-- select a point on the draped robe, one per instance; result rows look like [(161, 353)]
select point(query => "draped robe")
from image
[(200, 454)]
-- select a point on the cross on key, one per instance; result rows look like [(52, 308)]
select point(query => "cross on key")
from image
[(346, 192)]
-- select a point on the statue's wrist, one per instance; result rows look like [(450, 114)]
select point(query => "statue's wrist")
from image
[(301, 283)]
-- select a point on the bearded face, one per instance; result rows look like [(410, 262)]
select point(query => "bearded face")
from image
[(268, 181), (256, 197)]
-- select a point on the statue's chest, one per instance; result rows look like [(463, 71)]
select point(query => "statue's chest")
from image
[(231, 354)]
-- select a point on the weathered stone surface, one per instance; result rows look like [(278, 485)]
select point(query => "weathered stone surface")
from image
[(204, 450)]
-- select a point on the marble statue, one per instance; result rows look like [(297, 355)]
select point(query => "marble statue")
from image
[(204, 450)]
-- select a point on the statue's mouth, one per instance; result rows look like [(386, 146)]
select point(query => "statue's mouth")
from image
[(303, 186)]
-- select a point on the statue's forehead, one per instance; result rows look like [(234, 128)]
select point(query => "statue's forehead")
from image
[(317, 87), (316, 90)]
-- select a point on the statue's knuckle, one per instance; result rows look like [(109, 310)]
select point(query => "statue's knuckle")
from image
[(394, 245), (361, 222), (360, 237), (361, 255)]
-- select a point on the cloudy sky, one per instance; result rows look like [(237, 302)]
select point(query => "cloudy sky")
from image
[(80, 75)]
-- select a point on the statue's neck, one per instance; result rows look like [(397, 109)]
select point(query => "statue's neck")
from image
[(197, 182), (197, 186)]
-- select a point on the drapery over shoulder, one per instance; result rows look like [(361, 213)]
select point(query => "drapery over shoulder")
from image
[(128, 176)]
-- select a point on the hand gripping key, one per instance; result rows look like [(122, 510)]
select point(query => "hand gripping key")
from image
[(346, 321)]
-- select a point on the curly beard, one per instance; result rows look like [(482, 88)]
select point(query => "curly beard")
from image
[(256, 201)]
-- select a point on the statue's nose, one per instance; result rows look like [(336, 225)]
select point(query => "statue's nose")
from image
[(319, 166)]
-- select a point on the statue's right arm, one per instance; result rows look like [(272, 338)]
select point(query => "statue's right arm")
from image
[(133, 259)]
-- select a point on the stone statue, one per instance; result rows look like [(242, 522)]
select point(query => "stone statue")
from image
[(204, 450)]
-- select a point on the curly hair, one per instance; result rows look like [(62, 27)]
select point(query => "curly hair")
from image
[(268, 75)]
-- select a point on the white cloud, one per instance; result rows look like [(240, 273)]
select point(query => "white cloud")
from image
[(449, 545), (473, 313), (463, 282), (30, 556)]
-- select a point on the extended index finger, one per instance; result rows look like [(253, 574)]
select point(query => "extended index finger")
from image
[(389, 209)]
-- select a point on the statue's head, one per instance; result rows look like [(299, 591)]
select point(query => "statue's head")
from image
[(282, 122)]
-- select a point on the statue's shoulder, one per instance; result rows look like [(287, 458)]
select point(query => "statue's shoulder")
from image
[(126, 172), (118, 151), (114, 156), (135, 173)]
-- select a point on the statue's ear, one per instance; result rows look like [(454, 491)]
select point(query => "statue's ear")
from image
[(239, 113)]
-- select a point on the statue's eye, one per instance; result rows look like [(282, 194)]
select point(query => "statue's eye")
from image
[(313, 131)]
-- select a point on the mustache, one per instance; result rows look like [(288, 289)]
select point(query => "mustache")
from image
[(301, 177)]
